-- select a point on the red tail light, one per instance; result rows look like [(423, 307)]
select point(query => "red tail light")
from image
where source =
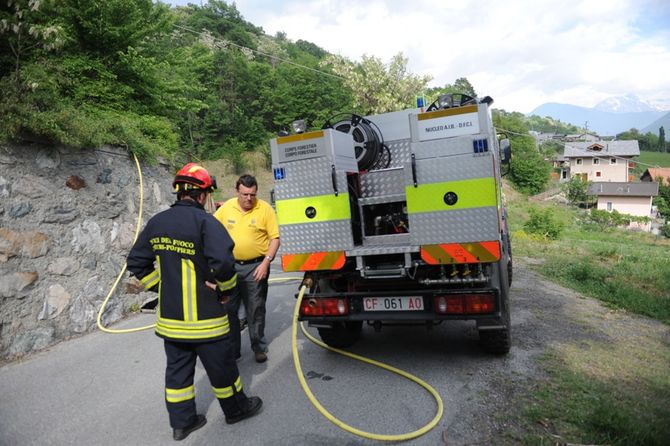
[(325, 306), (464, 304)]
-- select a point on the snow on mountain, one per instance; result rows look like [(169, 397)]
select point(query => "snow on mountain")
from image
[(629, 103)]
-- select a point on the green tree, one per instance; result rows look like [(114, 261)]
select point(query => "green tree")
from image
[(105, 85), (550, 125), (661, 139), (647, 141), (529, 172), (27, 26), (224, 21), (110, 27), (662, 200), (575, 190), (460, 85), (376, 87)]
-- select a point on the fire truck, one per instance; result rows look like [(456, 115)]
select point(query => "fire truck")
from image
[(398, 218)]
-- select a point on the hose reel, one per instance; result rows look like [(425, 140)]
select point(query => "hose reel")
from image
[(370, 150)]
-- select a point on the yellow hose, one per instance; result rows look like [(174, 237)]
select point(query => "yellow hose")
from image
[(123, 270), (328, 415)]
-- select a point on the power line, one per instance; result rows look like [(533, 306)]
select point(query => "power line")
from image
[(224, 43)]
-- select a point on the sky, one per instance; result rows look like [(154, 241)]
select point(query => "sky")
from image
[(522, 53)]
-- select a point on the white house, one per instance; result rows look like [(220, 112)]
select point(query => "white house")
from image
[(626, 198), (599, 161)]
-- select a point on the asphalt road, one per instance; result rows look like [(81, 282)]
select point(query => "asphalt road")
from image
[(107, 389)]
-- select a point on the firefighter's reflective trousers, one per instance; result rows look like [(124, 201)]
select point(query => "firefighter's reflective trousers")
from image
[(219, 363)]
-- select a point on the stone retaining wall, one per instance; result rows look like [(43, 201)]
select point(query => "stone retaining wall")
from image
[(67, 221)]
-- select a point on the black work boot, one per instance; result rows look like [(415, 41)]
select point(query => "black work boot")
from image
[(247, 408), (180, 434)]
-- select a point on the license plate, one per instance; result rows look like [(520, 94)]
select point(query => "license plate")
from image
[(401, 303)]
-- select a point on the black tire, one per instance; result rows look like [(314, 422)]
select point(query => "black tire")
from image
[(499, 341), (510, 270), (341, 335), (508, 245)]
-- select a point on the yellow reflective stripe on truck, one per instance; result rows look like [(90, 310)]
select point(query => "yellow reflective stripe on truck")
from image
[(325, 207), (474, 193)]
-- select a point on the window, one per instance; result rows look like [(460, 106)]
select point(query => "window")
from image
[(612, 160), (596, 161), (609, 206), (599, 174), (565, 174), (578, 161)]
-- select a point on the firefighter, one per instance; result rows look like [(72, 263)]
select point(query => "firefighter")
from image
[(185, 255)]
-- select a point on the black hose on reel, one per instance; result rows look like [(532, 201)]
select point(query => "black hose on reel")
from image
[(371, 152)]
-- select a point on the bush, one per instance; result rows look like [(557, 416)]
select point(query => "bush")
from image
[(602, 220), (44, 114), (575, 190), (665, 230), (543, 222), (529, 172)]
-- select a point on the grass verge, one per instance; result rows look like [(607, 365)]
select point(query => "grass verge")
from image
[(614, 390), (600, 394)]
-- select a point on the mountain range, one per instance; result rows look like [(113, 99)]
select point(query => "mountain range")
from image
[(609, 117)]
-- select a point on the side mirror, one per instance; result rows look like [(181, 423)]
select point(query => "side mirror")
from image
[(505, 151)]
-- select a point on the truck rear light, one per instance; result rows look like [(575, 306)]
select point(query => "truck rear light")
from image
[(464, 303), (324, 306)]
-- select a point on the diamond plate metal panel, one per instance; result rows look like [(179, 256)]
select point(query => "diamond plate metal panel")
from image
[(459, 226), (316, 237), (401, 152), (386, 240), (382, 182), (308, 178), (381, 199), (451, 168)]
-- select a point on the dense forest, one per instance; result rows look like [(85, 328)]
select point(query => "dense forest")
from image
[(192, 83)]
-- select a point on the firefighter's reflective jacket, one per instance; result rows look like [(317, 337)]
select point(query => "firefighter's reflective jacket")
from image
[(178, 250)]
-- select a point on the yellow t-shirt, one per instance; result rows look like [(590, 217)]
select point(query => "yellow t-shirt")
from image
[(251, 231)]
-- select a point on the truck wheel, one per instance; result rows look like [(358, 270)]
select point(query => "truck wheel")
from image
[(508, 244), (341, 335), (510, 270), (497, 342)]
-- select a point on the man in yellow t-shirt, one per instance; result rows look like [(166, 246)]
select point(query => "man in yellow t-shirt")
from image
[(252, 224)]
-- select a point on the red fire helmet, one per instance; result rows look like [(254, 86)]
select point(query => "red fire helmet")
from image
[(193, 176)]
